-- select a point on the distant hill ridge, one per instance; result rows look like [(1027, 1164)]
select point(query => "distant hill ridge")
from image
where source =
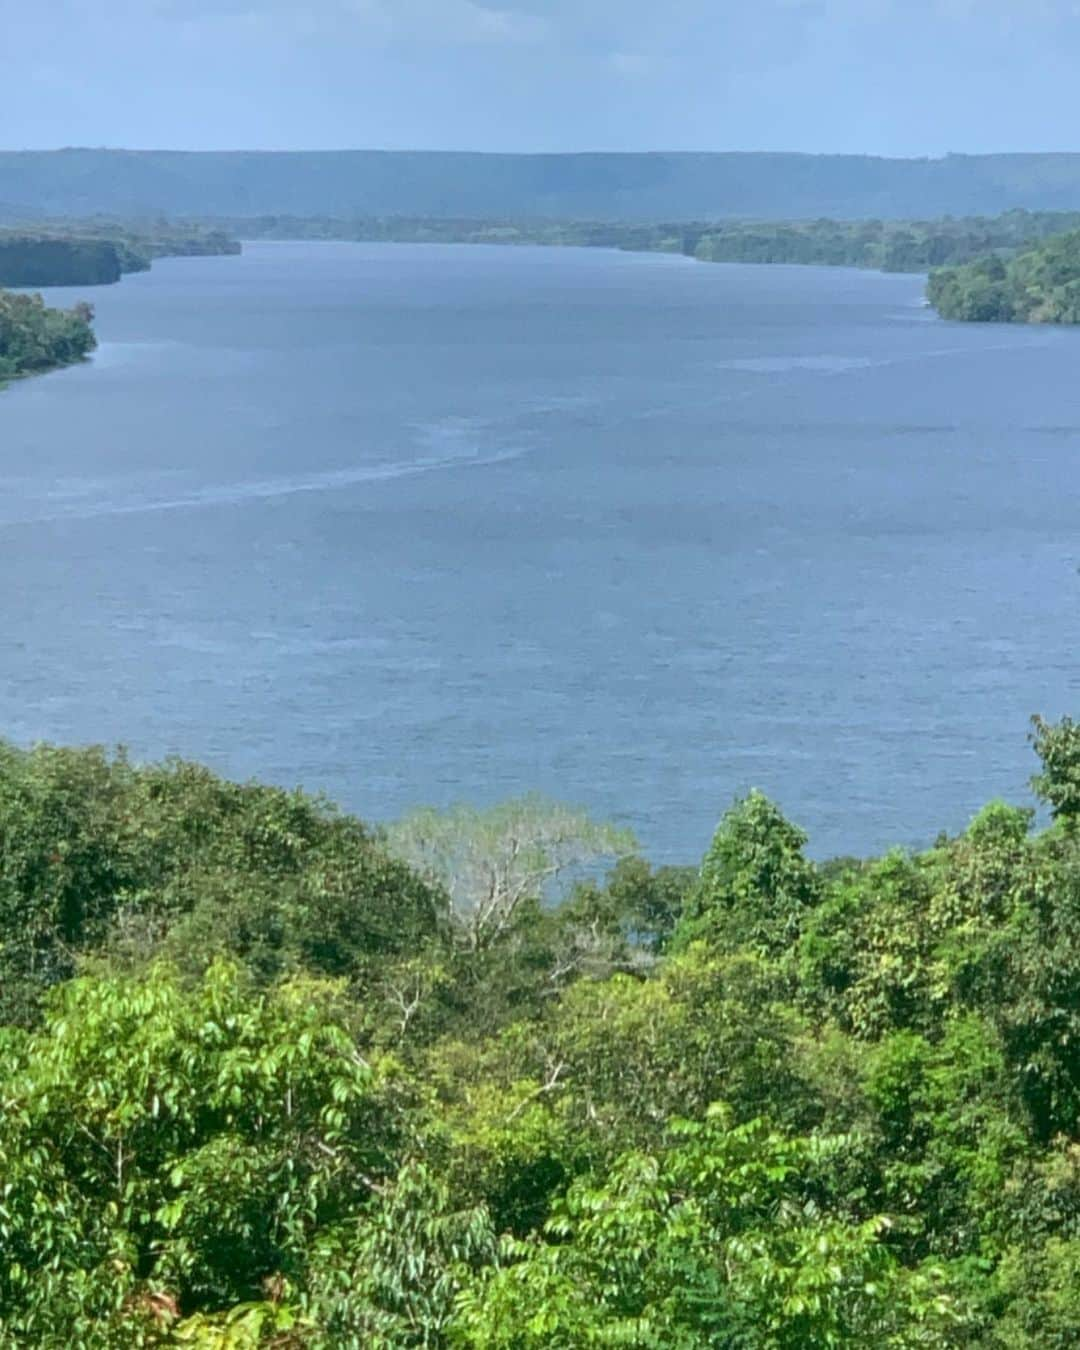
[(647, 186)]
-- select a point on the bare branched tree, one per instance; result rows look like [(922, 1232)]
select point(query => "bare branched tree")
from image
[(491, 861)]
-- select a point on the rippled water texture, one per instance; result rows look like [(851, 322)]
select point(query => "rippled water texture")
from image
[(416, 524)]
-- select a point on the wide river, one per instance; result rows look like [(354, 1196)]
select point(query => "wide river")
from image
[(420, 524)]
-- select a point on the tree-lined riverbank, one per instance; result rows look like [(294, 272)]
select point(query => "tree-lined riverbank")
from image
[(1039, 285), (35, 338), (98, 254), (881, 245), (1020, 267)]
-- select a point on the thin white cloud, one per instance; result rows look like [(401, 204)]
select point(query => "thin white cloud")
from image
[(426, 21)]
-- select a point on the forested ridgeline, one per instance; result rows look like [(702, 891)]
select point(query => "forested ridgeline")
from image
[(268, 1077), (34, 337), (887, 245), (97, 253), (591, 186)]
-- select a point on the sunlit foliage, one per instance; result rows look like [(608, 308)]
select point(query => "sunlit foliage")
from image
[(262, 1084), (34, 337)]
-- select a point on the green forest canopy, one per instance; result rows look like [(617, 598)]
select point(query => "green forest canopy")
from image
[(34, 337), (1038, 285), (269, 1077)]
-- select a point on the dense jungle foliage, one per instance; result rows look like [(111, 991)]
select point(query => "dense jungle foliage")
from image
[(97, 253), (268, 1077), (34, 337), (887, 245), (1039, 285)]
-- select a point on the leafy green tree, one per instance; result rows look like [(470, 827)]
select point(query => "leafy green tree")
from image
[(606, 1069), (756, 887), (719, 1241), (636, 907), (1058, 747), (99, 855), (172, 1149), (390, 1278), (863, 957), (1039, 1289)]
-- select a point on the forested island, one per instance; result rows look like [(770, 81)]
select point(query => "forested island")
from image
[(35, 337), (74, 253), (271, 1077)]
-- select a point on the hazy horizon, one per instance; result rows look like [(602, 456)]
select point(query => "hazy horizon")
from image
[(584, 152)]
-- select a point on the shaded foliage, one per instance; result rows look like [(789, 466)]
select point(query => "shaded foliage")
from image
[(37, 260), (100, 855), (98, 253)]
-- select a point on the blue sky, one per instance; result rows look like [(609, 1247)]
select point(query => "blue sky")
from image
[(896, 77)]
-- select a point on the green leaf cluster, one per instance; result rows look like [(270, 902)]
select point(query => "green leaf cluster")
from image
[(34, 337), (1038, 285)]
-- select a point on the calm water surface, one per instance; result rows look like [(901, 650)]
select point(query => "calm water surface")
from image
[(418, 524)]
